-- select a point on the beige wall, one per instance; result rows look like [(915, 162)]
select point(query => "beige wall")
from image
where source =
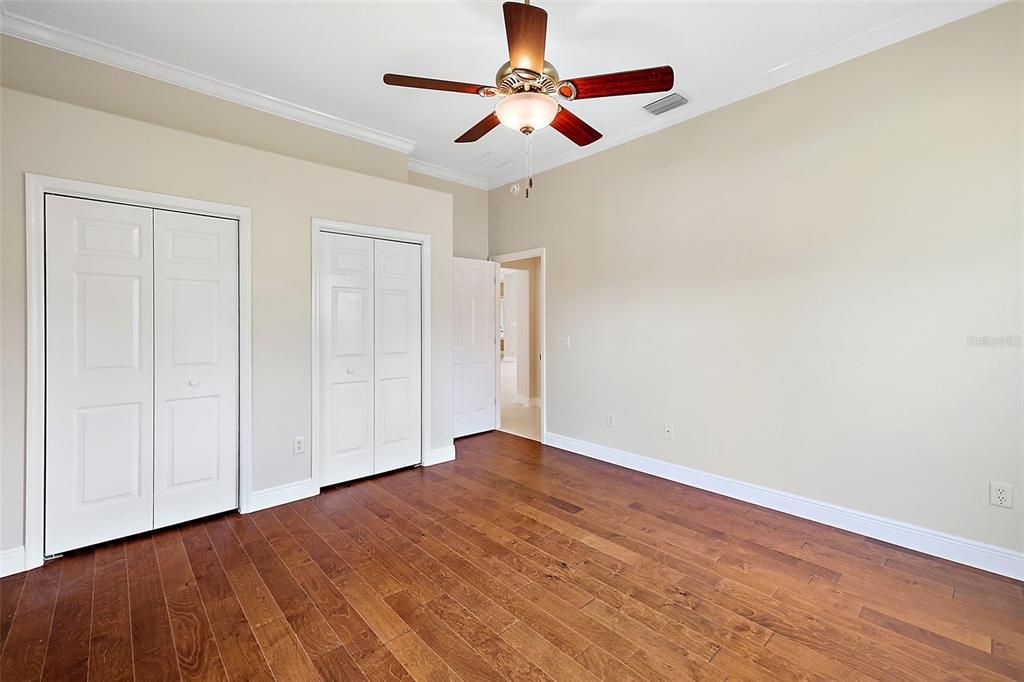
[(469, 219), (791, 281), (50, 73), (54, 138)]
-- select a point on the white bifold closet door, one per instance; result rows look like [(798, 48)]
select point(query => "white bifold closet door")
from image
[(196, 366), (370, 356), (474, 345), (141, 369)]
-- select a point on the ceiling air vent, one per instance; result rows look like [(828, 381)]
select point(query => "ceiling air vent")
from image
[(660, 106), (491, 160)]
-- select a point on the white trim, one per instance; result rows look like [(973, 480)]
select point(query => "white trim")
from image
[(497, 346), (283, 494), (442, 173), (440, 455), (936, 543), (542, 297), (73, 43), (319, 225), (932, 16), (36, 188), (12, 561)]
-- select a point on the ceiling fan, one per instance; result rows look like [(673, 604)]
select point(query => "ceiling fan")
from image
[(527, 85)]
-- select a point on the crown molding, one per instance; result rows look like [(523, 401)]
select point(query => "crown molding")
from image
[(926, 19), (72, 43), (442, 173)]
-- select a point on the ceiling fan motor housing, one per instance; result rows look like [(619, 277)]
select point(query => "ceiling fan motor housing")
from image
[(510, 81)]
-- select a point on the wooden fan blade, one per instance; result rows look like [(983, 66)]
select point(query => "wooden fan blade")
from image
[(575, 128), (489, 123), (433, 84), (526, 27), (658, 79)]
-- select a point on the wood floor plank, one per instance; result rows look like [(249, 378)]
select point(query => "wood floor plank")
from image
[(286, 656), (25, 647), (515, 561), (503, 657), (986, 660), (422, 663), (556, 663), (152, 641), (194, 643), (110, 645), (10, 595), (239, 649), (313, 631), (72, 619), (456, 653)]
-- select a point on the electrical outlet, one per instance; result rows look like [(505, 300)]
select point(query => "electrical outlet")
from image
[(1000, 494), (299, 445), (565, 341), (670, 431), (611, 420)]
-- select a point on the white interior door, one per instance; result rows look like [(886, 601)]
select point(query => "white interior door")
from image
[(346, 340), (474, 345), (397, 350), (99, 372), (196, 366)]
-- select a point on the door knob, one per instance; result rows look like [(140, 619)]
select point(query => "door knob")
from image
[(193, 382), (350, 371)]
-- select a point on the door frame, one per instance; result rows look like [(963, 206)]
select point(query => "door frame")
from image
[(320, 225), (36, 189), (542, 317)]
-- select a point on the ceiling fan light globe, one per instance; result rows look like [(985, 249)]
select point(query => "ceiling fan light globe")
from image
[(526, 110)]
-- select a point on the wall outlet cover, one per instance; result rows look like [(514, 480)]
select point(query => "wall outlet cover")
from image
[(299, 445), (1000, 494)]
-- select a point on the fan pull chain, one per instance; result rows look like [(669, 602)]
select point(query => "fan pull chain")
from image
[(529, 166)]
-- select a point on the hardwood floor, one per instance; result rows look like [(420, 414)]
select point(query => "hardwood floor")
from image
[(516, 561)]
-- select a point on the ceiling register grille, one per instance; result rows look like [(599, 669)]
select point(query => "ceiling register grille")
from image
[(660, 106)]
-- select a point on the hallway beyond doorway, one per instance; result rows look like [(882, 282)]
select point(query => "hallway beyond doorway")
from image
[(516, 418)]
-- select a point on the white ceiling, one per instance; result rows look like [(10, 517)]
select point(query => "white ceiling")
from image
[(322, 62)]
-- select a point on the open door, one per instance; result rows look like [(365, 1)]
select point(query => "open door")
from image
[(475, 350)]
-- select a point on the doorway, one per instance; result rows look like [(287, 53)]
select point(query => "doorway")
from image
[(520, 327)]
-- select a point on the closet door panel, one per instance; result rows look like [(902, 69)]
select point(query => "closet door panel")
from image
[(99, 372), (346, 331), (397, 432), (196, 361)]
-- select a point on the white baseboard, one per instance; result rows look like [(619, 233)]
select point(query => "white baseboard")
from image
[(936, 543), (282, 494), (440, 455), (12, 561)]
